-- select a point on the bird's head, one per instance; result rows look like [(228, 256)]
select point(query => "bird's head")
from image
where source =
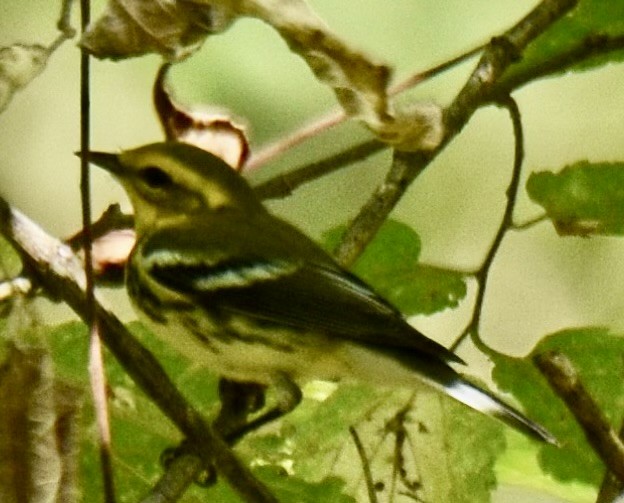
[(173, 180)]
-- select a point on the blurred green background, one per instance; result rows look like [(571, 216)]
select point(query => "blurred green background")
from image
[(539, 283)]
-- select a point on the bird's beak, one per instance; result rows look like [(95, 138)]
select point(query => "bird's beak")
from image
[(104, 160)]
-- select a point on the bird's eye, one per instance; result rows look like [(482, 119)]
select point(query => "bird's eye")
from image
[(155, 177)]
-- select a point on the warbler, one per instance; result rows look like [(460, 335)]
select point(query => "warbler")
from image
[(254, 299)]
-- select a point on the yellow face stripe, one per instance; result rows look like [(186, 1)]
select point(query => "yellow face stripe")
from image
[(213, 194)]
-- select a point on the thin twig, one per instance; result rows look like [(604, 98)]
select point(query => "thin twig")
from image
[(496, 58), (564, 380), (368, 476), (405, 167), (590, 47), (97, 379), (587, 48), (333, 118), (97, 375), (310, 130), (64, 22), (85, 186), (283, 185), (64, 26), (530, 223), (60, 272), (506, 224), (417, 78)]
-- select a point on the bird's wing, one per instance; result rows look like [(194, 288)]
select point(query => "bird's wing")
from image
[(302, 288)]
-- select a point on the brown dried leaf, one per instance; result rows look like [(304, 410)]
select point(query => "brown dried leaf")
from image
[(38, 431), (110, 251), (176, 29), (113, 238), (213, 131), (171, 28), (19, 64), (359, 83)]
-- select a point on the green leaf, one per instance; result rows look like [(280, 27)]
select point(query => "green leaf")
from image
[(390, 264), (289, 488), (597, 356), (466, 443), (10, 263), (582, 199), (139, 429), (407, 436), (591, 18)]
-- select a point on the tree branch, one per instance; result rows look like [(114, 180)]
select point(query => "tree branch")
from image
[(178, 476), (267, 153), (590, 47), (283, 185), (59, 272), (405, 167), (611, 486), (477, 91), (565, 381)]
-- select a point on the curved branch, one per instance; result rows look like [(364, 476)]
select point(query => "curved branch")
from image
[(60, 273), (333, 118), (506, 224), (478, 90), (565, 381)]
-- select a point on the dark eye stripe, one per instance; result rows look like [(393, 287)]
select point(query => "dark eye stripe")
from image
[(155, 177)]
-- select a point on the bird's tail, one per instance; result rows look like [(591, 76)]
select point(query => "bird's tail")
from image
[(481, 400), (443, 377), (436, 372)]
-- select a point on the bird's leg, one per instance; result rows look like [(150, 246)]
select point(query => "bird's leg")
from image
[(238, 400), (288, 397)]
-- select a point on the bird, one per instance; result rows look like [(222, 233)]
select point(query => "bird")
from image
[(250, 296)]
